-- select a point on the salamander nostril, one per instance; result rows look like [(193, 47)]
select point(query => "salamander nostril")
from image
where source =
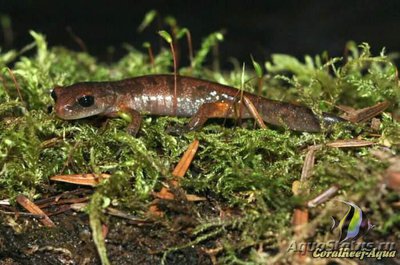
[(54, 95)]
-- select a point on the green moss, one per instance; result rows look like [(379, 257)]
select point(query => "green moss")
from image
[(249, 169)]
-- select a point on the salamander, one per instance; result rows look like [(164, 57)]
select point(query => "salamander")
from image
[(181, 97)]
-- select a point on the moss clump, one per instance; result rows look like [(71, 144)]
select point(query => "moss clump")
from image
[(246, 169)]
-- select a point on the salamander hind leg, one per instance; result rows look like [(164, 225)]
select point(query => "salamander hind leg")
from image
[(206, 111)]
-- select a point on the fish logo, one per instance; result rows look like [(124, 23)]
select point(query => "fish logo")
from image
[(353, 225)]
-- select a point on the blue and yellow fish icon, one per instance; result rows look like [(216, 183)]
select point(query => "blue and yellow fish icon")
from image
[(354, 223)]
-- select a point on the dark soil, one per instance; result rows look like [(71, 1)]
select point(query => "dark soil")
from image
[(26, 242)]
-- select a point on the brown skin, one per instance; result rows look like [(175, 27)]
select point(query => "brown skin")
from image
[(196, 98)]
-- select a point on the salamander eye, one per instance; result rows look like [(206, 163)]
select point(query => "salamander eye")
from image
[(86, 101), (53, 95)]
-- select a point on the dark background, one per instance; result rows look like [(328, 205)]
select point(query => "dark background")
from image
[(252, 27)]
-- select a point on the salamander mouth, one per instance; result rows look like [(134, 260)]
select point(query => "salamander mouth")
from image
[(68, 112)]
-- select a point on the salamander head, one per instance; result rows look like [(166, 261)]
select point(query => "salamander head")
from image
[(82, 100)]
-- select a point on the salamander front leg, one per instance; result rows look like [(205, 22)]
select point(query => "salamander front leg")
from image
[(132, 116), (206, 111), (136, 121)]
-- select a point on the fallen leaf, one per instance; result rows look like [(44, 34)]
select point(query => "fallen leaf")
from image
[(309, 162), (364, 114), (323, 197), (186, 160), (34, 209), (253, 111), (82, 179), (392, 179), (349, 143), (194, 198), (164, 194)]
